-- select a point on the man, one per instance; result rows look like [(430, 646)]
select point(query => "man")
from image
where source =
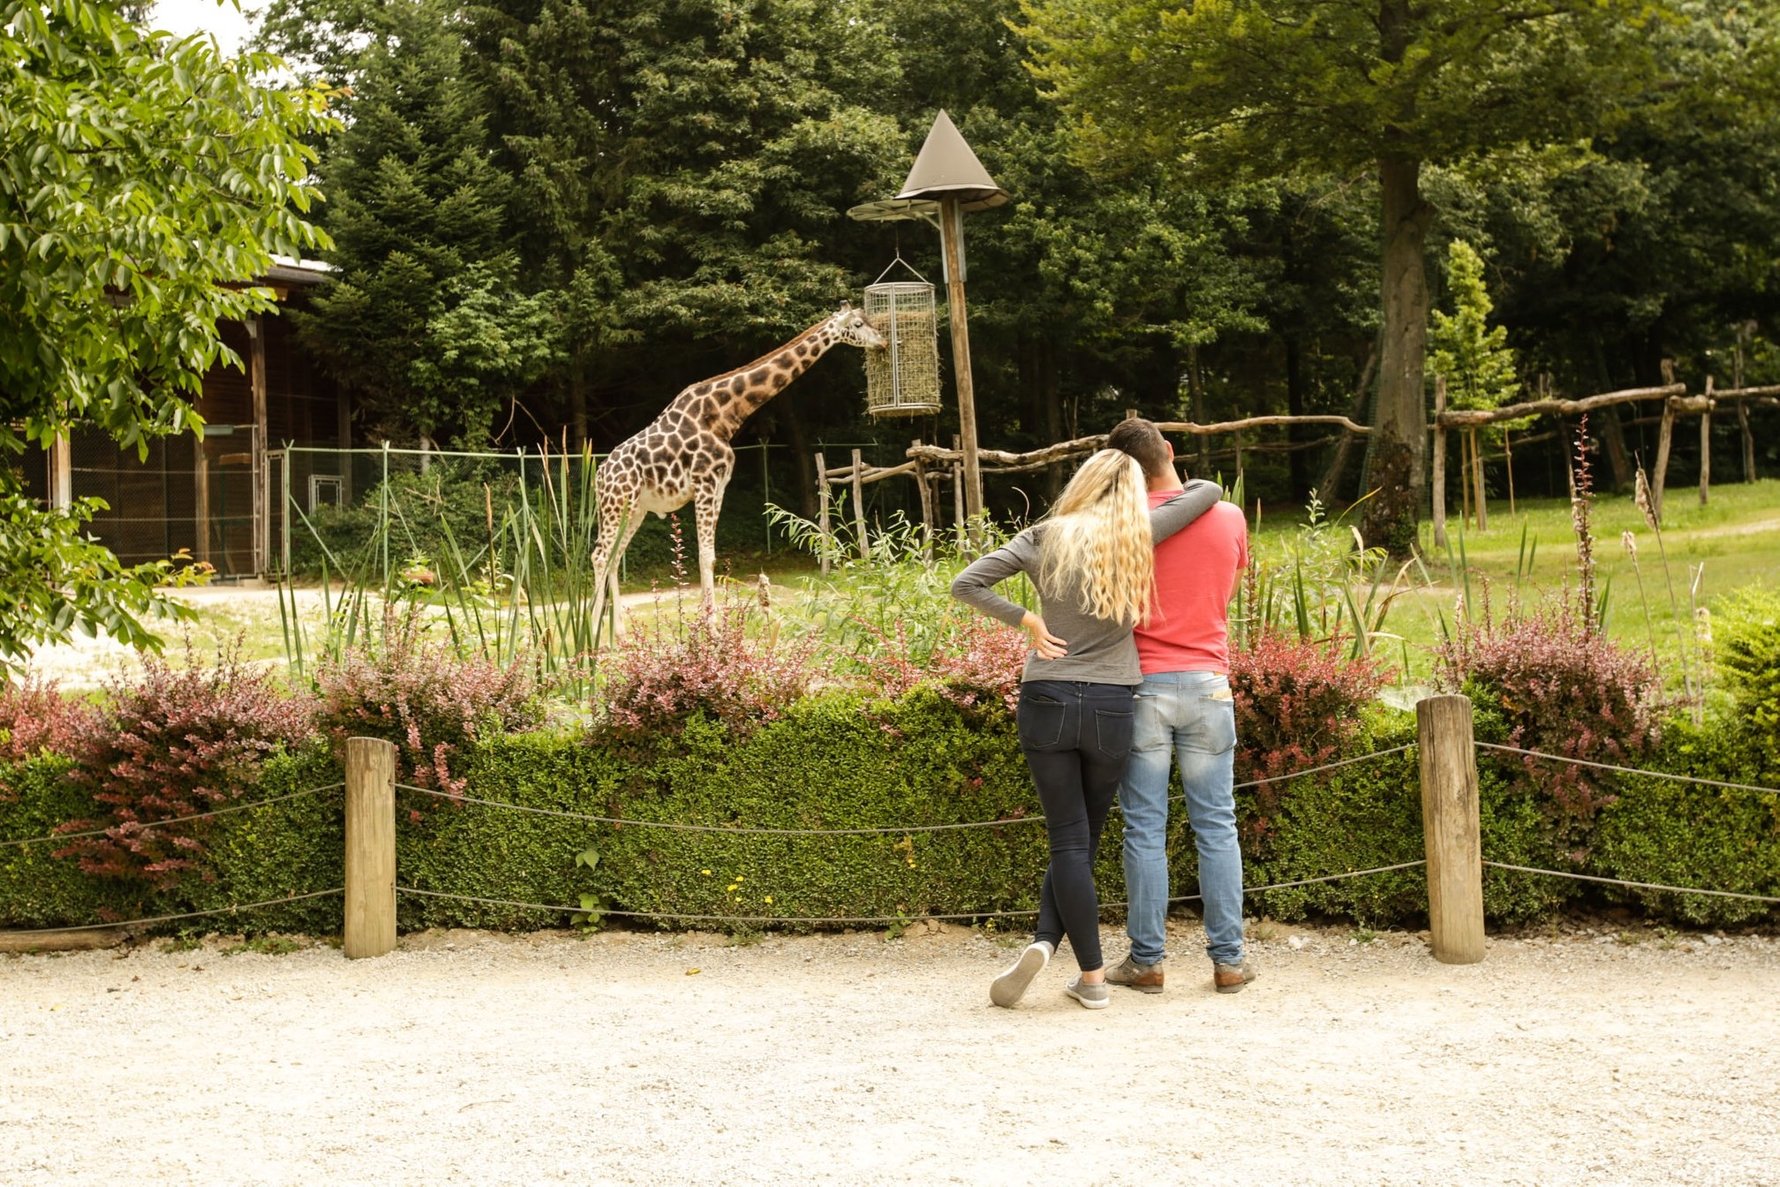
[(1184, 709)]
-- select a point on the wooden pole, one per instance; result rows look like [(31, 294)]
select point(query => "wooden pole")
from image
[(959, 520), (1664, 438), (1483, 515), (951, 235), (1743, 416), (1439, 478), (926, 494), (262, 523), (859, 507), (1464, 479), (201, 503), (1508, 462), (822, 510), (1452, 833), (1706, 444), (370, 926)]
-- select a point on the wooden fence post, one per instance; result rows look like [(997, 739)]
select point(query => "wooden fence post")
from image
[(1439, 481), (1450, 827), (1664, 437), (822, 509), (859, 506), (1706, 444), (370, 924)]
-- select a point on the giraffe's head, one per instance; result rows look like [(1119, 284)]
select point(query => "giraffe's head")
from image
[(849, 325)]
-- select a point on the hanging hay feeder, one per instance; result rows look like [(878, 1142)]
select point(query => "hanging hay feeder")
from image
[(903, 378)]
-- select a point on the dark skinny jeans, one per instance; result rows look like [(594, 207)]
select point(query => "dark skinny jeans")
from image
[(1076, 737)]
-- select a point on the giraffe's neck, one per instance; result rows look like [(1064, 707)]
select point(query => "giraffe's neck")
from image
[(741, 392)]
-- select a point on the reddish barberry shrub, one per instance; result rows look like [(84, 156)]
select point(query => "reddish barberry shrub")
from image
[(1297, 706), (976, 662), (1559, 687), (426, 699), (666, 672), (35, 719), (175, 742)]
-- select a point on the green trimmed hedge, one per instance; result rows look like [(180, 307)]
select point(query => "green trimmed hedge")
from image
[(842, 761)]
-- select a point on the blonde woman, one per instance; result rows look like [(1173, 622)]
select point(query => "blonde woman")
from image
[(1092, 561)]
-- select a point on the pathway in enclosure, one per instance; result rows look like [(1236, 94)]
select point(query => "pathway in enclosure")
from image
[(1585, 1056)]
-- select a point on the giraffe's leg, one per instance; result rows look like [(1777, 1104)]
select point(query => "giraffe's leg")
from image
[(709, 502), (618, 516)]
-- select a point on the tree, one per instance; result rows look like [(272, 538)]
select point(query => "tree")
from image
[(144, 183), (1278, 88), (1472, 354), (427, 323)]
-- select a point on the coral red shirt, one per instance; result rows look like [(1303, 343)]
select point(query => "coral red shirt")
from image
[(1189, 625)]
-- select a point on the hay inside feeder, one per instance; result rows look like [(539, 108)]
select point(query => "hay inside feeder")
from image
[(903, 378)]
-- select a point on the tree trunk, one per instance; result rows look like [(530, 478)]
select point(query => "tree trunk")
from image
[(1198, 415), (784, 412), (1399, 443)]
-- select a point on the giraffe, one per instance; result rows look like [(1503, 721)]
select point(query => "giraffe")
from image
[(684, 455)]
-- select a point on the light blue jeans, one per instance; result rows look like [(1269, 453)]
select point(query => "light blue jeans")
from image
[(1189, 715)]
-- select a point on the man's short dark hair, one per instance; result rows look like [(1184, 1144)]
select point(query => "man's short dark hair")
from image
[(1142, 440)]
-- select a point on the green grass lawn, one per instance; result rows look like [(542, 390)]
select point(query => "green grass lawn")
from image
[(1732, 541)]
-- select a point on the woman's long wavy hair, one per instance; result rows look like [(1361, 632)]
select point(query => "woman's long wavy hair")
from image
[(1098, 539)]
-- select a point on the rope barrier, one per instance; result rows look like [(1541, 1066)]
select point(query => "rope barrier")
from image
[(674, 826), (1758, 898), (228, 910), (152, 824), (843, 920), (1328, 766), (1606, 766)]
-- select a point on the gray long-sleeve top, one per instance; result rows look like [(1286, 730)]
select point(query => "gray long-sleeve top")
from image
[(1100, 652)]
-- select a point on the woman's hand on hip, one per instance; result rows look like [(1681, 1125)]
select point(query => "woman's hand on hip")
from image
[(1047, 645)]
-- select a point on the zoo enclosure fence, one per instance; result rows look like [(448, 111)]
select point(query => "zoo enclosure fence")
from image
[(1445, 747)]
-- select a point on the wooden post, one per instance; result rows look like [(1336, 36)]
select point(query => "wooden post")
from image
[(1464, 478), (951, 236), (61, 473), (1452, 834), (822, 510), (1664, 437), (1706, 444), (370, 847), (1439, 477), (201, 502), (1476, 470), (926, 495), (1743, 416), (859, 506), (262, 522), (1508, 464)]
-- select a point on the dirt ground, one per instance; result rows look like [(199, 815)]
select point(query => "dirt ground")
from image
[(1581, 1056)]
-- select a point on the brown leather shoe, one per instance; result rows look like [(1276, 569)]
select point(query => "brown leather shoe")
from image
[(1145, 978), (1228, 978)]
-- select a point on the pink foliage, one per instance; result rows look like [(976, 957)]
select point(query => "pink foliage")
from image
[(979, 661), (1297, 706), (667, 672), (1561, 688), (177, 741), (426, 699), (37, 719)]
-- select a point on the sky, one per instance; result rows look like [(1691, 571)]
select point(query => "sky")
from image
[(221, 19)]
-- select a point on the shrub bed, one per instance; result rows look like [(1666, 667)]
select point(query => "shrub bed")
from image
[(841, 760)]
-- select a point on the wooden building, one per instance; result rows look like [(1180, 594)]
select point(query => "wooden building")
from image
[(217, 498)]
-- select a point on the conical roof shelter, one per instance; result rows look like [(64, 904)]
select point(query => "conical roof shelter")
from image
[(947, 168)]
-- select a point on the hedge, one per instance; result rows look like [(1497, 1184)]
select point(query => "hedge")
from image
[(840, 760)]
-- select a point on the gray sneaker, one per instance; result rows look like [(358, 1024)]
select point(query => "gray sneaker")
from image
[(1132, 974), (1010, 987), (1092, 997)]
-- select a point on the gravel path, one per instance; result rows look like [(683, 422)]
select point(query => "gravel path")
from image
[(464, 1057)]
